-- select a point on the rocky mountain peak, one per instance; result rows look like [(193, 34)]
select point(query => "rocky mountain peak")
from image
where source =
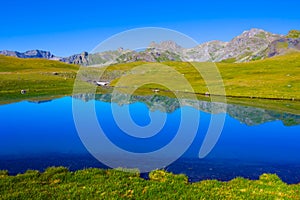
[(258, 34), (252, 32), (38, 54), (9, 53), (30, 54), (168, 45), (120, 49)]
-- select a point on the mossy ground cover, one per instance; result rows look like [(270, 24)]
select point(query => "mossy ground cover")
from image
[(59, 183)]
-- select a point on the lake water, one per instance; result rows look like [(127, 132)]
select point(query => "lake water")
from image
[(36, 135)]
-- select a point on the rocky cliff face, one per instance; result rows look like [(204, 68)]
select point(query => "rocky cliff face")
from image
[(78, 59)]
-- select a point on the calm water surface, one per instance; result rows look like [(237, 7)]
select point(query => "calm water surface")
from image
[(35, 135)]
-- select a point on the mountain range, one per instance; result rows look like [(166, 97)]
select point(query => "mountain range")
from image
[(254, 44)]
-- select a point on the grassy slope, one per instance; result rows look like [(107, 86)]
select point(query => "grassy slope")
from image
[(277, 77), (36, 76), (274, 78), (59, 183)]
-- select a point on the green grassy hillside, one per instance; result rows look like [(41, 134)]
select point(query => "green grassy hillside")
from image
[(272, 83), (245, 83), (59, 183), (277, 77), (39, 77)]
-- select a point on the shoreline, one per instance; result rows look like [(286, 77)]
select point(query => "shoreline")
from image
[(93, 183), (258, 102)]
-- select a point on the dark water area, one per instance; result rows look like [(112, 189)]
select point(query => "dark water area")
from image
[(253, 141)]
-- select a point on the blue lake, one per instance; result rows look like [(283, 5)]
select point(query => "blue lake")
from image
[(36, 135)]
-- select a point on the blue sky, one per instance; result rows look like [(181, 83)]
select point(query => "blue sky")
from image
[(68, 27)]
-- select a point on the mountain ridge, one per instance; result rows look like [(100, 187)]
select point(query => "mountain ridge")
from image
[(253, 44)]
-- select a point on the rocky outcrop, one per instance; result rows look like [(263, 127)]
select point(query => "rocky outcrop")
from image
[(78, 59)]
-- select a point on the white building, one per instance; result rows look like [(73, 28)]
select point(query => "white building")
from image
[(102, 83)]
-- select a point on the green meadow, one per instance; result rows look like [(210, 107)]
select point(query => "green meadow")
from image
[(256, 82), (270, 84), (40, 78), (274, 78), (59, 183)]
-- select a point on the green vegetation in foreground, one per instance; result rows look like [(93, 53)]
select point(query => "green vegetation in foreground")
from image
[(59, 183)]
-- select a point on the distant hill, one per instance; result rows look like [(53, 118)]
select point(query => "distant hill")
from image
[(254, 44), (30, 54)]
